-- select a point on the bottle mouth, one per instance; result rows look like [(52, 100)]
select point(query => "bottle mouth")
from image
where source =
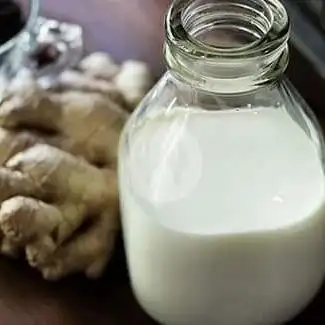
[(227, 46), (227, 28)]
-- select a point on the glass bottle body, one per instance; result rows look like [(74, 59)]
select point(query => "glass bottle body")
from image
[(222, 195)]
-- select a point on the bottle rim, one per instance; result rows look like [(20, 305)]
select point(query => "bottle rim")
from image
[(255, 53), (181, 38)]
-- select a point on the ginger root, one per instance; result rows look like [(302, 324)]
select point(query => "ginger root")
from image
[(58, 152), (75, 80), (48, 194), (99, 65), (76, 192), (134, 81), (84, 124)]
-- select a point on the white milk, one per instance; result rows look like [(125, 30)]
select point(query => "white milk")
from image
[(223, 217)]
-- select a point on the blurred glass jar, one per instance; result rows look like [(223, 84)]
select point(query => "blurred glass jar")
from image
[(221, 174), (43, 46)]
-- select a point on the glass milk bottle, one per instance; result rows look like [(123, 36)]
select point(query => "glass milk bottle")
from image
[(221, 174)]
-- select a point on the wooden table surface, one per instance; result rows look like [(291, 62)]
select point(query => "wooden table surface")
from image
[(26, 299)]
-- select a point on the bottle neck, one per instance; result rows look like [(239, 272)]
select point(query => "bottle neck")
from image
[(227, 46)]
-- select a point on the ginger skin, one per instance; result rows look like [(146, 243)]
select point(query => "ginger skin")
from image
[(75, 80), (134, 81), (84, 124), (78, 192), (58, 152), (50, 185), (99, 65)]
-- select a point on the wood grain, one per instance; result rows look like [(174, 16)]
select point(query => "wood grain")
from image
[(126, 29)]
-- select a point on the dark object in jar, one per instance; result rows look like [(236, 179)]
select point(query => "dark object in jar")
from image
[(11, 20), (45, 54)]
